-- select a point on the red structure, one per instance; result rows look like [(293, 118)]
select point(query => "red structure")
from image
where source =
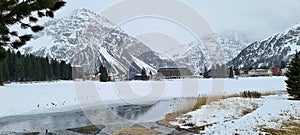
[(276, 71)]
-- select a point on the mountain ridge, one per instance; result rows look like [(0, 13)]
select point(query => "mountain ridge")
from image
[(272, 51), (85, 38)]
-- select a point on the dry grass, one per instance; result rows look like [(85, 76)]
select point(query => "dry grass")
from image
[(250, 94), (206, 100), (169, 118), (268, 93), (135, 131), (288, 128), (172, 117), (201, 101), (92, 129)]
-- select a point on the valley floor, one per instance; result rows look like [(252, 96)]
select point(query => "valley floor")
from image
[(225, 116), (16, 99)]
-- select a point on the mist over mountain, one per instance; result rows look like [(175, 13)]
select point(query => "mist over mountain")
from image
[(270, 52), (229, 44), (85, 38)]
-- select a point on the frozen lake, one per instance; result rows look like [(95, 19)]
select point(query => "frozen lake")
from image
[(112, 118), (56, 106)]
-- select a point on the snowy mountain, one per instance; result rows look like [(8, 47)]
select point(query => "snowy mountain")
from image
[(271, 51), (85, 38), (228, 44)]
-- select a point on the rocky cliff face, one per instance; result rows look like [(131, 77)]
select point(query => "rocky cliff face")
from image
[(228, 44), (85, 38)]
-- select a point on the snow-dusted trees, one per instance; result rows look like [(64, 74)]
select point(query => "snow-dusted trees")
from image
[(219, 71)]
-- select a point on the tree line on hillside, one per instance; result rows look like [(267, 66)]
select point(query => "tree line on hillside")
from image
[(17, 67)]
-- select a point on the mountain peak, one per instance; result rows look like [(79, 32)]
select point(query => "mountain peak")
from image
[(85, 38), (83, 13), (270, 51), (82, 10)]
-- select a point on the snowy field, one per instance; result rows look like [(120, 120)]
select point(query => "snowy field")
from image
[(242, 116), (60, 96)]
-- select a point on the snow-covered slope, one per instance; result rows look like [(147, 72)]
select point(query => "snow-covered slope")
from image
[(85, 38), (271, 51), (228, 43)]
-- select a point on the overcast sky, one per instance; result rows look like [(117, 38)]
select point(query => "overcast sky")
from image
[(259, 18)]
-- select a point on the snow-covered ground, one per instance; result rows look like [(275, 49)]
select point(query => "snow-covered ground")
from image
[(62, 96), (226, 117)]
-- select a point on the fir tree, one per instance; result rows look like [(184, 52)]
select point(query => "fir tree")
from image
[(15, 11), (144, 74), (293, 75), (38, 69), (6, 71), (64, 70), (56, 69), (103, 74), (50, 71), (151, 75), (231, 72), (205, 75), (17, 67), (19, 74), (3, 55)]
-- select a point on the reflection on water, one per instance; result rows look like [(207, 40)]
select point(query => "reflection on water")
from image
[(77, 118), (131, 112)]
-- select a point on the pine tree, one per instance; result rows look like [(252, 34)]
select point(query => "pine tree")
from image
[(32, 75), (56, 69), (3, 55), (26, 68), (103, 74), (15, 11), (38, 69), (144, 74), (1, 73), (231, 72), (50, 71), (205, 75), (11, 64), (70, 77), (293, 75), (45, 71), (6, 70), (19, 72), (151, 75)]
